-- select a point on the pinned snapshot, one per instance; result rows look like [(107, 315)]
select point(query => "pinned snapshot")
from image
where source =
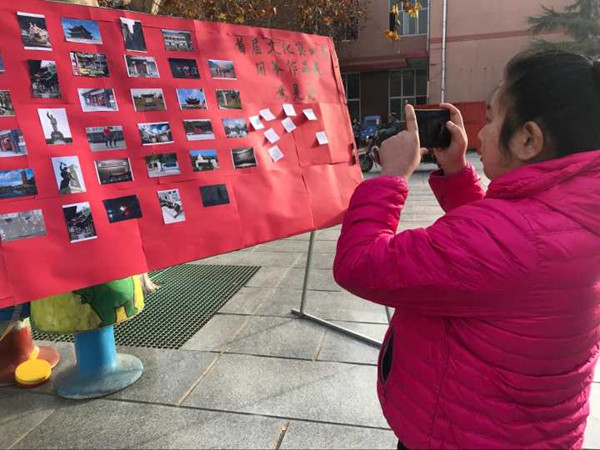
[(243, 158), (34, 32), (148, 100), (155, 133), (44, 79), (91, 65), (108, 137), (123, 208), (198, 130), (229, 99), (221, 69), (22, 225), (178, 40), (162, 165), (6, 106), (191, 99), (235, 128), (171, 206), (12, 143), (97, 99), (141, 66), (184, 68), (203, 160), (111, 171), (80, 223), (17, 183), (214, 195), (55, 126), (133, 35), (1, 64), (81, 31), (68, 174)]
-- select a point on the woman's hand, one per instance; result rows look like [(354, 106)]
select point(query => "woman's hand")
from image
[(453, 159), (401, 154)]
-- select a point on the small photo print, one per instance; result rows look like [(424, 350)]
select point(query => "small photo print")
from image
[(178, 40), (133, 35), (6, 105), (68, 174), (123, 208), (44, 79), (229, 99), (114, 171), (109, 137), (81, 31), (191, 98), (198, 130), (214, 195), (243, 158), (1, 63), (141, 66), (97, 99), (34, 32), (171, 206), (148, 100), (155, 133), (221, 70), (92, 65), (162, 165), (80, 223), (17, 183), (12, 143), (203, 160), (55, 125), (22, 225), (184, 68), (235, 128)]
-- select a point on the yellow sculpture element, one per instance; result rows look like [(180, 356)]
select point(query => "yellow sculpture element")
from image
[(392, 35)]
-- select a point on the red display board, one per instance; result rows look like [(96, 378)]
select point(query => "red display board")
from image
[(93, 185)]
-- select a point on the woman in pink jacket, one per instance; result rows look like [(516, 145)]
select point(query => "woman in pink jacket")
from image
[(496, 327)]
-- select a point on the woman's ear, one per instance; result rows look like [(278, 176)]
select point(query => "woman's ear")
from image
[(528, 143)]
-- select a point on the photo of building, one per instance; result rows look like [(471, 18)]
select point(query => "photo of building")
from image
[(12, 143), (80, 223), (105, 138), (243, 158), (148, 99), (184, 68), (162, 165), (235, 128), (82, 31), (191, 99), (171, 206), (155, 133), (97, 100), (111, 171), (203, 160), (44, 79), (22, 225), (34, 32), (141, 66), (220, 69), (198, 130), (229, 99), (177, 40), (133, 35), (6, 105), (17, 183), (89, 64)]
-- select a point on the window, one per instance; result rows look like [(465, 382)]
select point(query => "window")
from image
[(352, 88), (407, 85), (351, 30), (413, 26)]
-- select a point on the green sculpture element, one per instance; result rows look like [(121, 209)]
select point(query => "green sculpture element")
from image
[(107, 297)]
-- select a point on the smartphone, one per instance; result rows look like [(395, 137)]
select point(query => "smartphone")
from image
[(432, 127)]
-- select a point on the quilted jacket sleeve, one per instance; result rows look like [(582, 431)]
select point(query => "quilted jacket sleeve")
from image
[(457, 189), (472, 262)]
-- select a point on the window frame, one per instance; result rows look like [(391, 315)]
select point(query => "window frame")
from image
[(405, 21), (347, 91), (403, 97)]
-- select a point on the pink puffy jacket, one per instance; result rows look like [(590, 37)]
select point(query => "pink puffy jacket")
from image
[(497, 324)]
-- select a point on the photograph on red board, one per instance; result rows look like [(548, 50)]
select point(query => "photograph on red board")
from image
[(178, 40), (104, 138), (235, 128), (68, 175), (198, 130), (6, 105), (203, 160), (12, 143), (243, 158), (171, 206), (155, 133), (97, 99), (22, 225), (184, 68), (221, 69), (91, 65), (148, 100), (43, 78), (81, 31), (17, 183), (1, 63), (191, 99), (111, 171), (141, 66), (133, 35), (80, 223), (162, 165), (55, 126), (229, 99), (34, 32), (123, 208), (214, 195)]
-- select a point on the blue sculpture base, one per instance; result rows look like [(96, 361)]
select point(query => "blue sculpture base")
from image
[(100, 370)]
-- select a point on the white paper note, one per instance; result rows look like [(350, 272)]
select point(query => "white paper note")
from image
[(310, 114), (271, 135), (276, 153), (322, 138), (256, 123), (289, 110), (288, 124), (267, 114)]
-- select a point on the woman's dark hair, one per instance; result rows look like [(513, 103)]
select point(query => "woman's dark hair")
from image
[(560, 91)]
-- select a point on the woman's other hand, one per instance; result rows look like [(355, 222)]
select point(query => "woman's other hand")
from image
[(453, 159)]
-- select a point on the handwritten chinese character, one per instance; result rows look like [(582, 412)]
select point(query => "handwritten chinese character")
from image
[(260, 68), (297, 92), (241, 45), (272, 49), (312, 50), (311, 92), (324, 52), (276, 67), (256, 50), (316, 68), (300, 48), (287, 48), (305, 68), (293, 66), (281, 93)]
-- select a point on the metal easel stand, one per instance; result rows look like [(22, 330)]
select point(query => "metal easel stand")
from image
[(303, 315)]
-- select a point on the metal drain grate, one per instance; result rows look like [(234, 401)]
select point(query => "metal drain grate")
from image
[(188, 297)]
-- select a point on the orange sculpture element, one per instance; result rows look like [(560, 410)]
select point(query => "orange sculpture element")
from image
[(392, 35)]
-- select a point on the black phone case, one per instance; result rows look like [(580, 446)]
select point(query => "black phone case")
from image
[(432, 127)]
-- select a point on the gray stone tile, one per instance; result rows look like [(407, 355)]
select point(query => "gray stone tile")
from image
[(217, 333), (342, 348), (320, 280), (67, 360), (592, 433), (296, 246), (263, 259), (320, 391), (168, 374), (114, 424), (247, 300), (300, 237), (277, 336), (330, 234), (318, 261), (301, 435), (268, 277)]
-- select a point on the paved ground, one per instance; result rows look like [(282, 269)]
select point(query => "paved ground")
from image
[(253, 377)]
